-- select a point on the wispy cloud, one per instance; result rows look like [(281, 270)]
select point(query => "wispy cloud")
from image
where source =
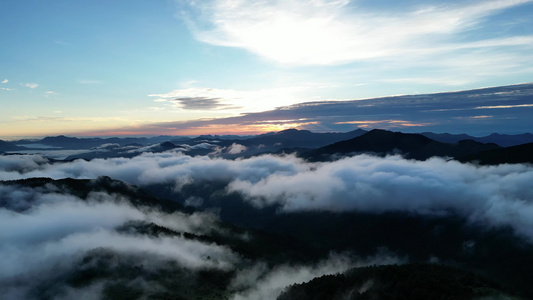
[(63, 43), (263, 283), (449, 81), (50, 94), (440, 112), (335, 32), (202, 103), (474, 117), (4, 88), (31, 85), (196, 98), (503, 106), (66, 119), (384, 123), (89, 81)]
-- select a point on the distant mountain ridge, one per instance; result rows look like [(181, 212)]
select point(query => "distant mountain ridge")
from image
[(293, 138), (310, 145), (8, 146), (383, 142), (80, 143), (519, 154), (504, 140)]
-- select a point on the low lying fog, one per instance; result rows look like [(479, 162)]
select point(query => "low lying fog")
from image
[(496, 195)]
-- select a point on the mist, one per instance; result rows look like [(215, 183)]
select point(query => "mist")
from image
[(46, 232), (493, 195), (49, 234), (263, 283)]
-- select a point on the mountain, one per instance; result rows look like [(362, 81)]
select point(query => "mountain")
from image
[(506, 140), (503, 140), (302, 142), (9, 146), (447, 137), (223, 137), (411, 281), (413, 146), (510, 155), (300, 138), (65, 142), (286, 141)]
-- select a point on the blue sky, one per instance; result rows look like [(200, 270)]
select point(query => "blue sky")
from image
[(126, 67)]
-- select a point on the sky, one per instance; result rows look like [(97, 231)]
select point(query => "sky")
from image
[(181, 67)]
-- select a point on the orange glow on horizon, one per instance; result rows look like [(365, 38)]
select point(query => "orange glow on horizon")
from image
[(385, 123), (238, 129), (227, 129)]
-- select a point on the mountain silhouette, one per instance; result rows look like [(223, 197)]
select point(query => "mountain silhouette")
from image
[(410, 281), (413, 146), (503, 140), (9, 146), (294, 138), (511, 155)]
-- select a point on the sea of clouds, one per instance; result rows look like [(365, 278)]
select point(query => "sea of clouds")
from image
[(496, 195), (45, 230)]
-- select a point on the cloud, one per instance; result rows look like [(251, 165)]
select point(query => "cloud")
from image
[(47, 231), (31, 85), (51, 239), (335, 32), (383, 123), (202, 103), (492, 195), (62, 43), (151, 168), (56, 239), (51, 153), (263, 283), (475, 117), (62, 228), (504, 106), (63, 225), (430, 112), (497, 196), (89, 81), (236, 148), (196, 98), (21, 163), (50, 94), (452, 81), (5, 81)]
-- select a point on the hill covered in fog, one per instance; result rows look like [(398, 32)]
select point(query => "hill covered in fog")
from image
[(227, 217)]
